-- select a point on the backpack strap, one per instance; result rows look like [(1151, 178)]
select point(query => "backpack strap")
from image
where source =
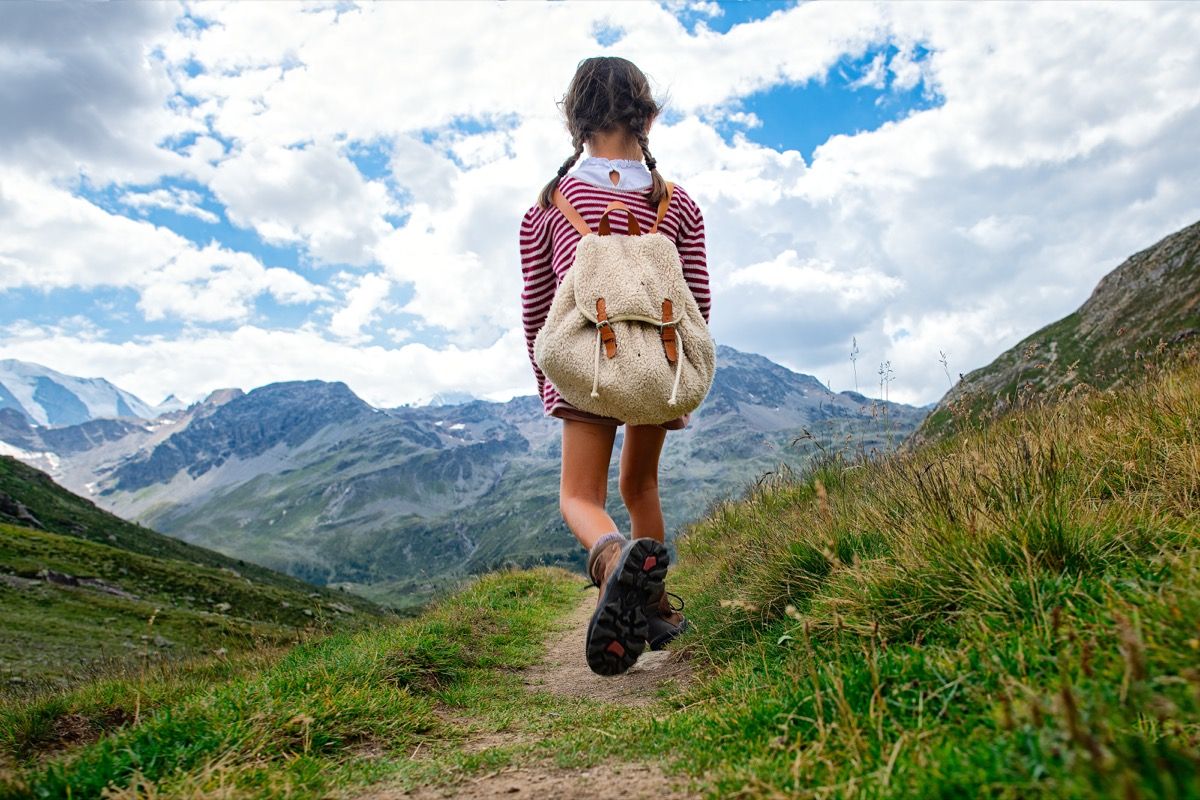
[(568, 211), (576, 219), (616, 205), (662, 207)]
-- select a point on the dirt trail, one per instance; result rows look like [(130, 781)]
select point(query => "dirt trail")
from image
[(616, 782), (564, 671)]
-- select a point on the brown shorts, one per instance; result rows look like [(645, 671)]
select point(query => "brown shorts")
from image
[(569, 412)]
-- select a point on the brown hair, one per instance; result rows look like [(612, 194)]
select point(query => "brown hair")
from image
[(608, 93)]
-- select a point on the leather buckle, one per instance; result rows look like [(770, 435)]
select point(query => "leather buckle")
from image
[(605, 327)]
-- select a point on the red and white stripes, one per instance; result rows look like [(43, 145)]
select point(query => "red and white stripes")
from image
[(548, 249)]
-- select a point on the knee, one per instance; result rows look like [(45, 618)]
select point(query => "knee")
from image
[(570, 500), (638, 489)]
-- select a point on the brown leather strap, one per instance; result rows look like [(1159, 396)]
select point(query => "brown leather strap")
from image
[(662, 207), (617, 205), (606, 332), (668, 333), (568, 211)]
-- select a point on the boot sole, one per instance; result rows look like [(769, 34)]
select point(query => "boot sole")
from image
[(617, 633)]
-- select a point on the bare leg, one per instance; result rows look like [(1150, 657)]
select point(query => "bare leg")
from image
[(639, 479), (583, 489)]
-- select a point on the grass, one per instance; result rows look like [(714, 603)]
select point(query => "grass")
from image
[(56, 633), (1011, 613), (79, 585), (297, 725)]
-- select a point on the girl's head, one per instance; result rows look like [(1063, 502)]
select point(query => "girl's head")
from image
[(608, 94)]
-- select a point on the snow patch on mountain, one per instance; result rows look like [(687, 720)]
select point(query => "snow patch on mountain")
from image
[(50, 398)]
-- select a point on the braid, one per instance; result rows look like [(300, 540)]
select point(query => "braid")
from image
[(546, 198), (658, 188)]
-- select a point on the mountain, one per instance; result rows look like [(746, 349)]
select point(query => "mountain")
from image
[(169, 403), (306, 478), (46, 397), (82, 590), (1147, 305), (449, 399)]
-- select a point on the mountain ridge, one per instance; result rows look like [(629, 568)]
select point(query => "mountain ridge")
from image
[(307, 478), (1146, 305)]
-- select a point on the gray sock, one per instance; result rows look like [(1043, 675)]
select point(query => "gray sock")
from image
[(601, 543)]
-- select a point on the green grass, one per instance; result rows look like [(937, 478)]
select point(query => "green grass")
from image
[(60, 511), (296, 726), (1012, 613), (53, 634)]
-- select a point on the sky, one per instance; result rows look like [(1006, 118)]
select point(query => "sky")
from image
[(207, 195)]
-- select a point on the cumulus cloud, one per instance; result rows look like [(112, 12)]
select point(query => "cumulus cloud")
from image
[(83, 92), (214, 284), (958, 228), (51, 239), (365, 300), (308, 194), (181, 201)]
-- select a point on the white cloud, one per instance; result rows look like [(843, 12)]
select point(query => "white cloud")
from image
[(906, 71), (50, 239), (200, 361), (364, 301), (875, 76), (816, 278), (181, 201), (214, 284), (84, 92), (307, 194)]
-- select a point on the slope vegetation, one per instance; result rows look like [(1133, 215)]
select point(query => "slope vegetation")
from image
[(82, 592)]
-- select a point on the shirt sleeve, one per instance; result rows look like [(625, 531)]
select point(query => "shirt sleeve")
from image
[(690, 243), (539, 281)]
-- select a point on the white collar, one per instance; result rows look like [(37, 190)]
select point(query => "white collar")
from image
[(595, 170)]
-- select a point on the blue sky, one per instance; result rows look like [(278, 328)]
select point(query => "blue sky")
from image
[(255, 206)]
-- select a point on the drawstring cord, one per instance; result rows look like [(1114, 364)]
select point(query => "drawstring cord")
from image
[(678, 361), (596, 371)]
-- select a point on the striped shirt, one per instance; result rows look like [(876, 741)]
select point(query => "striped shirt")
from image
[(548, 243)]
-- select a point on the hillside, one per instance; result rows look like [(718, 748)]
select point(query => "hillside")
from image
[(1149, 303), (84, 592), (1011, 613), (306, 478)]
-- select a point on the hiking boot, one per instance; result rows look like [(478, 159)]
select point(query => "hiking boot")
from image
[(628, 574), (664, 620)]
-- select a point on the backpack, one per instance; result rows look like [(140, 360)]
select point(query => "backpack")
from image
[(624, 336)]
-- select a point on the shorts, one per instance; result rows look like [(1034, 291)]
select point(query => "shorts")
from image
[(568, 412)]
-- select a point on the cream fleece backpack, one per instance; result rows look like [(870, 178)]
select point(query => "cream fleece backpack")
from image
[(624, 336)]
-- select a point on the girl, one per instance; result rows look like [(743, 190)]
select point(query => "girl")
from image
[(609, 110)]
